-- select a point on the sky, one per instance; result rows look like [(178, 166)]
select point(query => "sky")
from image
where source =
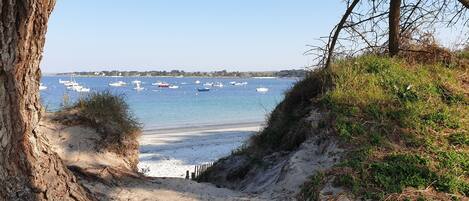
[(190, 35)]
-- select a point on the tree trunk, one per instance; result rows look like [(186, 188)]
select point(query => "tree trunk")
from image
[(29, 169), (394, 26), (465, 3), (339, 28)]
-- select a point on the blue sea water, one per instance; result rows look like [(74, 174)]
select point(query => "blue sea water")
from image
[(159, 108)]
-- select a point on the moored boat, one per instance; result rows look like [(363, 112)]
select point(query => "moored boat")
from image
[(203, 89), (218, 84), (117, 84), (138, 87), (163, 85), (157, 83), (42, 87), (208, 84), (262, 89)]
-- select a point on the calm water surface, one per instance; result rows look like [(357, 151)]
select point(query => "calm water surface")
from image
[(159, 108)]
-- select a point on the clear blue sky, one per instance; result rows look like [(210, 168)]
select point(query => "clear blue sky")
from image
[(192, 35)]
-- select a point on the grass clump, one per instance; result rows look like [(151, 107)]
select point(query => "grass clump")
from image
[(459, 138), (109, 114), (310, 190)]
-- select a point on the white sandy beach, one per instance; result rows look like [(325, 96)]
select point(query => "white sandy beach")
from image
[(171, 152)]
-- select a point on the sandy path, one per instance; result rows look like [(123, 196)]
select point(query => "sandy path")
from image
[(170, 153), (170, 189), (76, 146)]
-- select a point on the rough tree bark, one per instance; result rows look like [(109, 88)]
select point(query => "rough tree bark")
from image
[(465, 3), (29, 170), (394, 26)]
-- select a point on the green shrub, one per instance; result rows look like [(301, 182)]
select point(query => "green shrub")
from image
[(347, 129), (285, 128), (396, 172)]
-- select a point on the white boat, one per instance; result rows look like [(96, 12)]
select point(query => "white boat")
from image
[(74, 87), (42, 87), (83, 89), (68, 83), (218, 84), (138, 87), (262, 89), (71, 83), (197, 82), (238, 83), (173, 87), (208, 84), (117, 84), (157, 83)]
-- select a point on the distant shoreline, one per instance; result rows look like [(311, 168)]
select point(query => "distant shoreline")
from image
[(227, 77), (181, 73)]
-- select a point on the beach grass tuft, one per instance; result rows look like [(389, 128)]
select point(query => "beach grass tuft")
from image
[(109, 114)]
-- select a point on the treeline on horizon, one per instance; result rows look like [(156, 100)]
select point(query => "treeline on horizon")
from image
[(175, 73)]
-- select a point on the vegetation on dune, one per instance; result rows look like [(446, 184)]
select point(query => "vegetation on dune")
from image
[(405, 124), (109, 114), (290, 113)]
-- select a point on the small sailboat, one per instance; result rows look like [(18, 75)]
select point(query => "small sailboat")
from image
[(63, 81), (157, 83), (203, 89), (163, 85), (218, 84), (42, 87), (262, 89), (74, 87), (71, 83), (83, 89), (117, 84), (240, 83), (138, 87), (208, 84)]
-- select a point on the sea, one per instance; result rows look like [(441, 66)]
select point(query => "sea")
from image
[(164, 108)]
